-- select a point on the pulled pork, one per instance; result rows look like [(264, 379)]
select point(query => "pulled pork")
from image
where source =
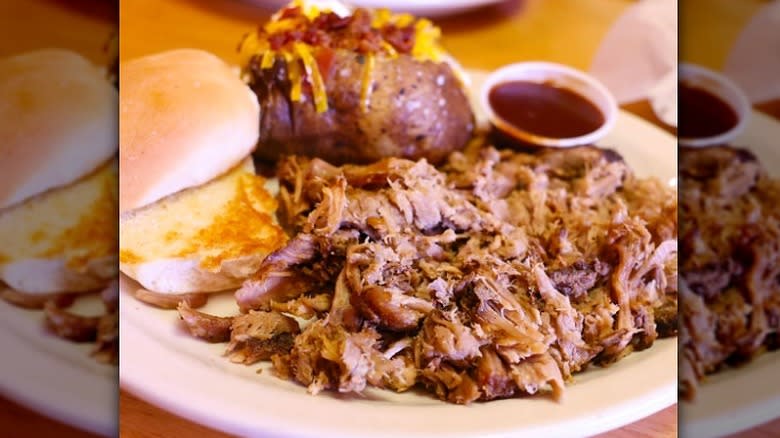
[(730, 243), (499, 275), (253, 336)]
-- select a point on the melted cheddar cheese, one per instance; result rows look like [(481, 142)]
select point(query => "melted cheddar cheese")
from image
[(301, 57)]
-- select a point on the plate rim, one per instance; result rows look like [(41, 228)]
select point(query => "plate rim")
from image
[(161, 393)]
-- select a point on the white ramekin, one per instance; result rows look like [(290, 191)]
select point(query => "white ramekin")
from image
[(559, 75), (723, 88)]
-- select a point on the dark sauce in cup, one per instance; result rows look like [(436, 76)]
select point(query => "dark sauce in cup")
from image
[(702, 114), (544, 109)]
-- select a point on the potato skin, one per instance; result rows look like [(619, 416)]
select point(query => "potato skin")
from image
[(415, 110)]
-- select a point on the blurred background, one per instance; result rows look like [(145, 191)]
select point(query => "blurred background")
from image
[(50, 386), (731, 50)]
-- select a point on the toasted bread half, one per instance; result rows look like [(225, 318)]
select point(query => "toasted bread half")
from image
[(203, 239)]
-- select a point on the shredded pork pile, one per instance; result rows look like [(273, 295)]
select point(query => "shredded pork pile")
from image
[(499, 275), (731, 248)]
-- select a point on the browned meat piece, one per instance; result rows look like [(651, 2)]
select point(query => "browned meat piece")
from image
[(35, 301), (394, 368), (276, 280), (576, 280), (444, 337), (327, 216), (390, 308), (698, 340), (305, 307), (665, 316), (492, 376), (451, 384), (281, 366), (536, 373), (210, 328), (647, 199), (353, 360), (348, 356), (513, 325), (567, 323), (398, 374), (69, 325), (257, 336), (591, 172), (171, 301), (722, 171), (377, 289), (710, 280), (598, 316)]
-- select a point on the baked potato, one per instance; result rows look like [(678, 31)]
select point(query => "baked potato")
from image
[(356, 89)]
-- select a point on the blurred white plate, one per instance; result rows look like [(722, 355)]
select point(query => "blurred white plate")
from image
[(162, 364), (741, 398), (53, 377), (423, 8)]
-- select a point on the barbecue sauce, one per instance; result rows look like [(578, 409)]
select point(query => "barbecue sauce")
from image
[(544, 109), (703, 114)]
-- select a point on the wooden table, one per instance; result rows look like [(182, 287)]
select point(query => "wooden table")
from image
[(84, 26), (566, 31)]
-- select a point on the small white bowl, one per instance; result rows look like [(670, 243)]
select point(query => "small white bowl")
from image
[(723, 88), (561, 76)]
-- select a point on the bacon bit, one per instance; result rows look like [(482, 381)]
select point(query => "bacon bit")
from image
[(401, 38), (291, 12), (331, 21), (324, 57)]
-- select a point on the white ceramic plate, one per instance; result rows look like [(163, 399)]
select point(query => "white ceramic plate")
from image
[(739, 399), (161, 363), (54, 377), (422, 8)]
